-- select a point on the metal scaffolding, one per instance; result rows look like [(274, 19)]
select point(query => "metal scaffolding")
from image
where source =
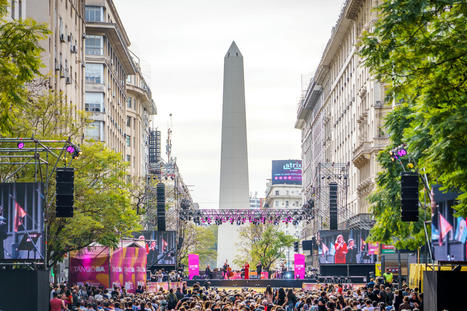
[(326, 174)]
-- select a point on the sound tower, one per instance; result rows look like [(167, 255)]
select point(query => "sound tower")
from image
[(409, 196), (65, 177), (332, 206), (160, 191)]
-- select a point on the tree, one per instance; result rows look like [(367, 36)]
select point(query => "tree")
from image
[(19, 64), (103, 210), (389, 228), (418, 48), (267, 244), (201, 240)]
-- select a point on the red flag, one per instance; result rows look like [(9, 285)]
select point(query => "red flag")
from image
[(20, 214), (444, 228), (147, 248), (164, 244)]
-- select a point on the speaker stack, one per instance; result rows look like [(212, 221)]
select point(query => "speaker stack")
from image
[(65, 177), (333, 206), (160, 192), (409, 196)]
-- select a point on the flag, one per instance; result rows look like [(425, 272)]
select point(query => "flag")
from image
[(444, 228), (147, 248), (20, 214), (461, 230), (333, 250), (164, 244), (153, 246)]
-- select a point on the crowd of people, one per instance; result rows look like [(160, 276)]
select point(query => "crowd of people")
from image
[(373, 296)]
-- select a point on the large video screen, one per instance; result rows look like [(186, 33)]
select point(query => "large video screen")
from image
[(345, 247), (287, 172), (21, 221), (161, 247)]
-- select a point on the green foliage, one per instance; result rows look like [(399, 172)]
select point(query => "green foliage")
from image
[(418, 48), (389, 228), (19, 64), (201, 240), (262, 243)]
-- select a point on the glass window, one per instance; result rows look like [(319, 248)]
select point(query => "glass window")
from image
[(276, 203), (93, 131), (94, 73), (128, 101), (286, 203), (94, 101), (128, 140), (128, 121), (128, 158), (277, 192), (94, 14), (94, 45)]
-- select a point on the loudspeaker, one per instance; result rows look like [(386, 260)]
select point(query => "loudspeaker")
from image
[(64, 200), (160, 192), (409, 196), (443, 290), (332, 206)]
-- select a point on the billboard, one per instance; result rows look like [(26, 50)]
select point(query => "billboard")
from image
[(287, 172), (21, 221), (345, 246), (161, 247)]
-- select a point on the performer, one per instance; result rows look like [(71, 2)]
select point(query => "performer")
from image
[(341, 249), (208, 272), (351, 256), (229, 272), (247, 270), (224, 269), (259, 268)]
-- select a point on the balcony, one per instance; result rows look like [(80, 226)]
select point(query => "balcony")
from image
[(362, 154)]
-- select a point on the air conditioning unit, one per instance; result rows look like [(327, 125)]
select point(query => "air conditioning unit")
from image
[(62, 37), (74, 49), (68, 80)]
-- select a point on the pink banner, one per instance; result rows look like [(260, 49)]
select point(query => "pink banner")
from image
[(321, 286), (193, 265), (124, 267), (153, 287), (373, 248), (91, 266), (299, 262)]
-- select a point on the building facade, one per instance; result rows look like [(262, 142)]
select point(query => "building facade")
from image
[(341, 117)]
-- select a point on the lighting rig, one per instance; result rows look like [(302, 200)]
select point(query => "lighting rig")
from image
[(244, 216)]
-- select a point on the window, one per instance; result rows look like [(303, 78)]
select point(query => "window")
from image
[(95, 131), (276, 203), (94, 101), (129, 99), (128, 140), (286, 203), (128, 121), (128, 158), (94, 73), (94, 45), (277, 192), (94, 14)]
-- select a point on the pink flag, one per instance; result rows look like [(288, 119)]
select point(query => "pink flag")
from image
[(444, 228), (20, 214)]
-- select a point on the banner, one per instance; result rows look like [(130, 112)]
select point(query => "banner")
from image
[(388, 249), (98, 266), (299, 263), (91, 266), (193, 265), (154, 287)]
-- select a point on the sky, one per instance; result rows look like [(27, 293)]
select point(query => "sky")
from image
[(182, 43)]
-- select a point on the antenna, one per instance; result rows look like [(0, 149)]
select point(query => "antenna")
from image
[(169, 140)]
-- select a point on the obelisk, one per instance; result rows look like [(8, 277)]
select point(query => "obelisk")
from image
[(234, 189)]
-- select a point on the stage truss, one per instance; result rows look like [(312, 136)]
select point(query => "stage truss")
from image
[(44, 155), (245, 216), (328, 173)]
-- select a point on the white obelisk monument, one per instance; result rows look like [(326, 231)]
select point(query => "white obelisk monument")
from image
[(234, 189)]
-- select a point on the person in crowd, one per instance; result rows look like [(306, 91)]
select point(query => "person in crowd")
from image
[(388, 277)]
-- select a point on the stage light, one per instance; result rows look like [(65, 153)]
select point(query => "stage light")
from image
[(20, 145), (70, 149)]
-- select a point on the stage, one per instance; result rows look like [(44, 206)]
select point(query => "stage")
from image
[(275, 283)]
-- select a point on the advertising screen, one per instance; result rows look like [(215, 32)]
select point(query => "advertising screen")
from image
[(345, 246), (160, 246), (21, 221), (287, 172)]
